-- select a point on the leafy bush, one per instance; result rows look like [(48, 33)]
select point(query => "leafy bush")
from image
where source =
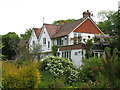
[(91, 73), (25, 77), (60, 67), (90, 68)]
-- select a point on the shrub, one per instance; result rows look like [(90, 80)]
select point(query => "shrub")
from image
[(90, 68), (61, 67), (92, 73), (25, 77), (49, 81)]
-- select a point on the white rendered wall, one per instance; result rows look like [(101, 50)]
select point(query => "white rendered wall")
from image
[(119, 5), (85, 36), (71, 35), (76, 59), (44, 34), (32, 38)]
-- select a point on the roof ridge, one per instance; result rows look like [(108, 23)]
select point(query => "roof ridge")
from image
[(36, 28), (51, 24)]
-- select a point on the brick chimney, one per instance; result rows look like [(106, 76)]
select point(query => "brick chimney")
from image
[(86, 14)]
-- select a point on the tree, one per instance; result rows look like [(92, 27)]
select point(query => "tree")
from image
[(115, 42), (108, 21), (24, 53), (59, 22), (26, 35), (35, 51), (1, 46), (0, 62), (10, 42), (111, 67)]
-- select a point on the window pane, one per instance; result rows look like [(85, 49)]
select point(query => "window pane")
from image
[(44, 40), (62, 54), (33, 42), (59, 41), (76, 53), (79, 34), (70, 55), (67, 54), (75, 34), (48, 44)]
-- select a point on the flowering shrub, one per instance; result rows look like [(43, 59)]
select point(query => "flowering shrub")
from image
[(60, 66)]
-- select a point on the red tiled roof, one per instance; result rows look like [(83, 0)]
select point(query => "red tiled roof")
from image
[(66, 28), (88, 27), (61, 30), (52, 29), (37, 31), (71, 47)]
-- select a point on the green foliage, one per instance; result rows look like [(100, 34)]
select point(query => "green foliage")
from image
[(59, 22), (25, 77), (10, 42), (24, 53), (88, 46), (54, 50), (36, 52), (111, 64), (91, 68), (108, 21), (115, 42), (49, 81), (20, 63), (61, 67), (91, 75), (1, 46), (26, 35)]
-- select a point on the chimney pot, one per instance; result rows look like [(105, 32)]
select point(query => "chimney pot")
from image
[(86, 14)]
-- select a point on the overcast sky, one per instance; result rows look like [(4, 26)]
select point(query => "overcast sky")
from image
[(19, 15)]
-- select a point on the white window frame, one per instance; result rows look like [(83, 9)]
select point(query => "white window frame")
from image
[(44, 41)]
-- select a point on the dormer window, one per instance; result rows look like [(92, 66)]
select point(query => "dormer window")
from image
[(44, 40)]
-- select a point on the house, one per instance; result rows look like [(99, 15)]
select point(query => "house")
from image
[(68, 38)]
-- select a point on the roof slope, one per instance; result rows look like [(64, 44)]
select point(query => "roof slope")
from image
[(52, 29), (68, 27), (37, 31)]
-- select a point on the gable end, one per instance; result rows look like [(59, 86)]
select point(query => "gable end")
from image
[(88, 26)]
